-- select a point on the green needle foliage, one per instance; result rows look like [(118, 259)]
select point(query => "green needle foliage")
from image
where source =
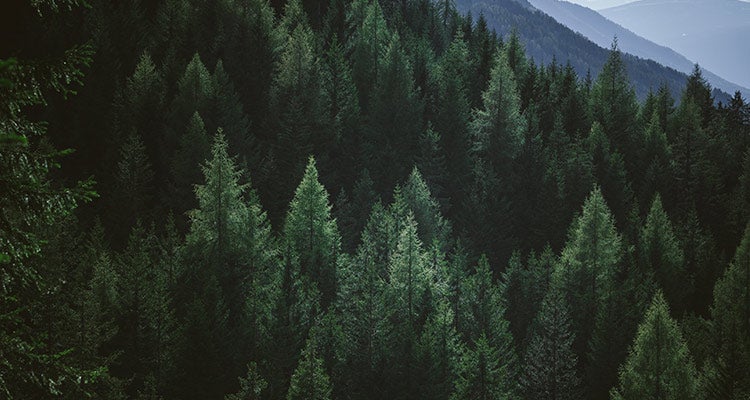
[(659, 365)]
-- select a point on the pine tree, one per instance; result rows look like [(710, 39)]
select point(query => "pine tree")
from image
[(216, 268), (440, 349), (609, 171), (31, 203), (614, 105), (498, 133), (138, 108), (498, 127), (194, 147), (659, 365), (524, 288), (416, 198), (229, 115), (311, 234), (145, 318), (588, 264), (482, 374), (195, 93), (370, 38), (251, 386), (431, 161), (342, 148), (483, 314), (310, 380), (728, 367), (408, 295), (133, 188), (661, 255), (550, 364), (452, 112), (395, 118)]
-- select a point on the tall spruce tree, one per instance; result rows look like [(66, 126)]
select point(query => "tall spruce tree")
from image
[(310, 380), (728, 366), (588, 264), (408, 293), (659, 365), (311, 234), (614, 105), (550, 364), (662, 256)]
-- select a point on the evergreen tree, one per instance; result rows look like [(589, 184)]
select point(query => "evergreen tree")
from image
[(431, 160), (588, 263), (613, 104), (659, 365), (251, 386), (310, 380), (661, 255), (395, 118), (728, 367), (342, 108), (229, 115), (524, 288), (408, 295), (483, 314), (609, 171), (297, 98), (133, 187), (482, 374), (415, 198), (31, 203), (498, 132), (138, 110), (194, 147), (440, 350), (195, 92), (216, 269), (366, 44), (311, 234), (451, 115), (550, 364)]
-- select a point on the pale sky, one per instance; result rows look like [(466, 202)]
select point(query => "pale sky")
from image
[(602, 4)]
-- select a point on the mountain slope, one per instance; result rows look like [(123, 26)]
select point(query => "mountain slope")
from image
[(714, 33), (546, 39), (600, 30)]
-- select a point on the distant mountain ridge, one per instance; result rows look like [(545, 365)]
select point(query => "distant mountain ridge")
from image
[(601, 31), (714, 33), (545, 39)]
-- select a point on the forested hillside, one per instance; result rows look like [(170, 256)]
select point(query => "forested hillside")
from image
[(357, 200), (548, 40)]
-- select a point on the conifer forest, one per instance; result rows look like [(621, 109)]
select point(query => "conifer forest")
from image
[(358, 199)]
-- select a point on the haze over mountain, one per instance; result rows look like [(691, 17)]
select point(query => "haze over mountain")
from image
[(545, 39), (714, 33), (602, 4), (601, 31)]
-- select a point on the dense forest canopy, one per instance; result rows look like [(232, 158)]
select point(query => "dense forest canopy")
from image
[(357, 200)]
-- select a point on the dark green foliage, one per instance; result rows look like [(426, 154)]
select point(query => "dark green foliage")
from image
[(482, 374), (661, 255), (728, 366), (588, 264), (441, 140), (395, 122), (310, 381), (311, 236), (659, 365), (550, 364)]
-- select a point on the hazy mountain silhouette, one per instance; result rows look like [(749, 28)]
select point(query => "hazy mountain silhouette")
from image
[(546, 39), (601, 31), (714, 33)]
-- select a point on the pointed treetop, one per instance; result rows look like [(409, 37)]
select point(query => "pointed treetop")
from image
[(659, 365)]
